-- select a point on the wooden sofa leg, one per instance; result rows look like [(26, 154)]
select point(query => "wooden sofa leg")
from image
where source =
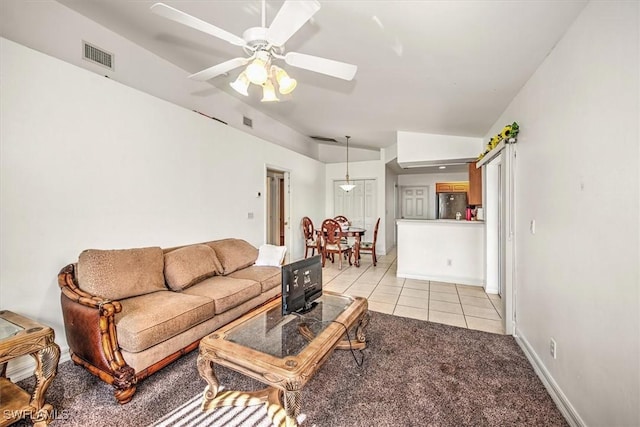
[(124, 382)]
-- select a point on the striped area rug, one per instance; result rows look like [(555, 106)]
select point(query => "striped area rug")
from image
[(190, 414)]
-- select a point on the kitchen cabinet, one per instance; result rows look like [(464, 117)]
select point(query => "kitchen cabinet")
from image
[(452, 187), (474, 195)]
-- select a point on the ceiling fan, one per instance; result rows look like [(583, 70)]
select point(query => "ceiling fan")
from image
[(262, 45)]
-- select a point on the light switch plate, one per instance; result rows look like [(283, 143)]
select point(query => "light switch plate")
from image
[(532, 226)]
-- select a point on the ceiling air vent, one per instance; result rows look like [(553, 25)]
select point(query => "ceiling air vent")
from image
[(247, 121), (324, 139), (97, 56)]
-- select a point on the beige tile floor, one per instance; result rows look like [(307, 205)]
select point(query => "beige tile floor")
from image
[(449, 303)]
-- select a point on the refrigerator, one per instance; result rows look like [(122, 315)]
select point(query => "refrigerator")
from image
[(451, 203)]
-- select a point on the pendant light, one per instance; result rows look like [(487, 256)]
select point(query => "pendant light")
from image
[(347, 187)]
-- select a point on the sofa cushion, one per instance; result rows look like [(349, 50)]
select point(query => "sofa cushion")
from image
[(225, 292), (121, 273), (147, 320), (234, 254), (189, 265), (268, 277)]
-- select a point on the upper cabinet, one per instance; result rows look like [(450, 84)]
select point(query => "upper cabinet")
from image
[(452, 187), (474, 194)]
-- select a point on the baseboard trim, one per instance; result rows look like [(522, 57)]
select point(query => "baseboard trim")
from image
[(23, 367), (560, 399), (471, 281)]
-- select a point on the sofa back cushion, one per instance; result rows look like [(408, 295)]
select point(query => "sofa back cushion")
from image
[(186, 266), (234, 254), (121, 273)]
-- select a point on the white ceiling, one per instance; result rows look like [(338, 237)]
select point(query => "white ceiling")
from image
[(443, 67)]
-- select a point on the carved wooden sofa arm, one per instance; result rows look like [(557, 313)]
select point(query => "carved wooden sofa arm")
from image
[(91, 335)]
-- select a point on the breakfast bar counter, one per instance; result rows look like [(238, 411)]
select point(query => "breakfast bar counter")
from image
[(441, 250)]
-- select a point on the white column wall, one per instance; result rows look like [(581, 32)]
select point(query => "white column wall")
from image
[(87, 162)]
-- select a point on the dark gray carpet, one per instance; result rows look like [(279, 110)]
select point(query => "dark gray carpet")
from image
[(414, 373)]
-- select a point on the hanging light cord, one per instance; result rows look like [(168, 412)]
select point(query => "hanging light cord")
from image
[(347, 158)]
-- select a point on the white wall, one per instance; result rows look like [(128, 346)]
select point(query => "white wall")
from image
[(337, 153), (425, 149), (56, 30), (391, 208), (577, 176), (445, 251), (87, 162), (429, 180), (374, 169)]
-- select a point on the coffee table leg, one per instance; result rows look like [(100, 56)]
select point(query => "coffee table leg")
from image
[(292, 403), (205, 369), (46, 368)]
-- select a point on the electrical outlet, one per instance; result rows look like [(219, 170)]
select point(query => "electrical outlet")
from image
[(449, 262), (553, 348), (250, 215)]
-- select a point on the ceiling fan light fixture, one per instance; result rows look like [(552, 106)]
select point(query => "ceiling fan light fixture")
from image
[(286, 84), (269, 92), (241, 84), (257, 71)]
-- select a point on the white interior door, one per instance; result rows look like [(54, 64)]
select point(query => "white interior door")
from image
[(414, 202), (359, 204)]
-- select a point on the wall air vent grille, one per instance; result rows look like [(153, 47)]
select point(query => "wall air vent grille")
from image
[(97, 55), (247, 121)]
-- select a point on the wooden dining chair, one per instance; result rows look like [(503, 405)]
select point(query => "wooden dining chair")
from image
[(343, 221), (310, 238), (366, 247), (331, 233), (341, 218)]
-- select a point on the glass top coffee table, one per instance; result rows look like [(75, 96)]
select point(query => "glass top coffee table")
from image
[(282, 352)]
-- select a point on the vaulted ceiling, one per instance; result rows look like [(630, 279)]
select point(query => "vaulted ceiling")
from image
[(443, 67)]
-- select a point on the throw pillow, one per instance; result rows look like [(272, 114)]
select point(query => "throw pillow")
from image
[(189, 265), (121, 273), (271, 255), (234, 254)]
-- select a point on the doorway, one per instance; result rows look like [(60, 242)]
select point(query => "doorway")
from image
[(276, 207), (500, 236)]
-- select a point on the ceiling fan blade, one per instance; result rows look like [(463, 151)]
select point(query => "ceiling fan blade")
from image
[(222, 68), (338, 69), (193, 22), (290, 18)]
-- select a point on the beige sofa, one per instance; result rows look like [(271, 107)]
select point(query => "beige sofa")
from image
[(129, 313)]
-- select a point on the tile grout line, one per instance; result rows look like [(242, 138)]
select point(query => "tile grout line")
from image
[(464, 315)]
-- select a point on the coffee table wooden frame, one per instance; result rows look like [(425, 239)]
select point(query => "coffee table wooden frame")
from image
[(285, 377), (36, 340)]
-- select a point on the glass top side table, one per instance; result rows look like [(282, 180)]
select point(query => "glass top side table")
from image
[(20, 336)]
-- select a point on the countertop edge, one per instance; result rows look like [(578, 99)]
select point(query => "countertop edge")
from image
[(438, 221)]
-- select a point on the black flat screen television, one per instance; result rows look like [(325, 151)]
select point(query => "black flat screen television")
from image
[(301, 284)]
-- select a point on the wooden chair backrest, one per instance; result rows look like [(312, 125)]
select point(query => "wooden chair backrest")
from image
[(331, 230), (307, 228), (375, 232), (341, 218)]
